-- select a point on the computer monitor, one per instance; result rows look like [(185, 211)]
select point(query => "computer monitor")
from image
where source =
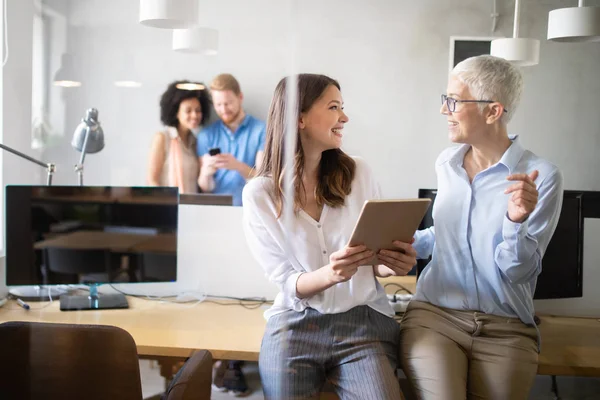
[(73, 235), (562, 265), (206, 199)]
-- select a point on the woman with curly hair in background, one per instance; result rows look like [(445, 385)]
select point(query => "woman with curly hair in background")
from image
[(173, 159)]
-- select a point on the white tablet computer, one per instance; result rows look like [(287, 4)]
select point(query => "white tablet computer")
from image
[(383, 221)]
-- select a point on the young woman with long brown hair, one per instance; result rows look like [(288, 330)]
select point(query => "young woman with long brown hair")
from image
[(331, 320)]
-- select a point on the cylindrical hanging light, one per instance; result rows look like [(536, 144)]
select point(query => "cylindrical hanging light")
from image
[(574, 24), (67, 75), (520, 51), (523, 52), (169, 14), (196, 40)]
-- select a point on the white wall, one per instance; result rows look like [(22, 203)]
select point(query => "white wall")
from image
[(391, 58), (16, 106), (16, 92)]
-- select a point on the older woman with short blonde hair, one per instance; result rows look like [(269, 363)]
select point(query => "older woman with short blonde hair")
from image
[(469, 331)]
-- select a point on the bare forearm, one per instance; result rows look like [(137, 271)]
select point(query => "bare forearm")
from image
[(312, 283), (206, 183), (245, 170)]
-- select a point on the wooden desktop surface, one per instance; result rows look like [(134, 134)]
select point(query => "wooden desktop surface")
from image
[(570, 346)]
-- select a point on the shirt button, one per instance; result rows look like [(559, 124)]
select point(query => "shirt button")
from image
[(319, 226), (324, 251)]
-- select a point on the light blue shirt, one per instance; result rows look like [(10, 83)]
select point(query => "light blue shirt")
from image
[(482, 261), (243, 145)]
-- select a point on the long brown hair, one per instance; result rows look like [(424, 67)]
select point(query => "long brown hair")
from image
[(336, 169)]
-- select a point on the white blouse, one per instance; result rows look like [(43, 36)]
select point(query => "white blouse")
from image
[(285, 252)]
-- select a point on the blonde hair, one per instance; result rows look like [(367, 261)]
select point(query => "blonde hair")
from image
[(226, 82), (492, 78)]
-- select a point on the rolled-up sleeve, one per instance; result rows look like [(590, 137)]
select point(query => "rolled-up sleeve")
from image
[(519, 255), (424, 241)]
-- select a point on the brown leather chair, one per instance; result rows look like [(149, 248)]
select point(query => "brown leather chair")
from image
[(68, 361), (71, 361), (193, 381)]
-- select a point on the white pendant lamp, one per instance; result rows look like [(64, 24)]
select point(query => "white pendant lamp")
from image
[(520, 51), (196, 40), (574, 24), (67, 75), (190, 86), (169, 14)]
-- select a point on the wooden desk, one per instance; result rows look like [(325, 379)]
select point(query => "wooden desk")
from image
[(94, 240), (172, 332), (166, 329)]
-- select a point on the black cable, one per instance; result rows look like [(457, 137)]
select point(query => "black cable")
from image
[(239, 303), (554, 388), (401, 288)]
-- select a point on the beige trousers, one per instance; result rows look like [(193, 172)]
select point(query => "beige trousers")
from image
[(449, 354)]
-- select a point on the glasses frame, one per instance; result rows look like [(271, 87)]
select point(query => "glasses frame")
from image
[(452, 108)]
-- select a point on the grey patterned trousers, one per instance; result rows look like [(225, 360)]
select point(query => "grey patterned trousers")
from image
[(357, 351)]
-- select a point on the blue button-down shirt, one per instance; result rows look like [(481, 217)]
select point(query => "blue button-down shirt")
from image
[(482, 261), (247, 140)]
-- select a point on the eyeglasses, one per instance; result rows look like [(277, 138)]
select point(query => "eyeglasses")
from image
[(451, 103)]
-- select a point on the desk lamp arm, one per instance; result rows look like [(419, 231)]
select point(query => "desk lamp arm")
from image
[(51, 168)]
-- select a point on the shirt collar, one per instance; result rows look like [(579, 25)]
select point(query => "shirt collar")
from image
[(244, 122), (510, 158), (513, 154)]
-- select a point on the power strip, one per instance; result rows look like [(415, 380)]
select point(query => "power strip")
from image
[(399, 302)]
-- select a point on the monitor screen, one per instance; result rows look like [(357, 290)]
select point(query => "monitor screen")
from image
[(562, 265), (85, 235)]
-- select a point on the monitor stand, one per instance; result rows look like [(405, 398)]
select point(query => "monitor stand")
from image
[(93, 301), (38, 293)]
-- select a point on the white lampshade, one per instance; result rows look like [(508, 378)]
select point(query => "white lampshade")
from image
[(196, 40), (190, 86), (169, 14), (520, 51), (575, 24), (67, 76), (128, 84)]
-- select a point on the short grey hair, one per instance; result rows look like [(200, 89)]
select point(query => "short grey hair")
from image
[(492, 78)]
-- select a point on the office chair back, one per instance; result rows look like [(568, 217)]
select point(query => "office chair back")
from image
[(67, 361), (193, 381)]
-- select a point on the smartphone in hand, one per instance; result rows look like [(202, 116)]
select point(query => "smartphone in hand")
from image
[(214, 151)]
